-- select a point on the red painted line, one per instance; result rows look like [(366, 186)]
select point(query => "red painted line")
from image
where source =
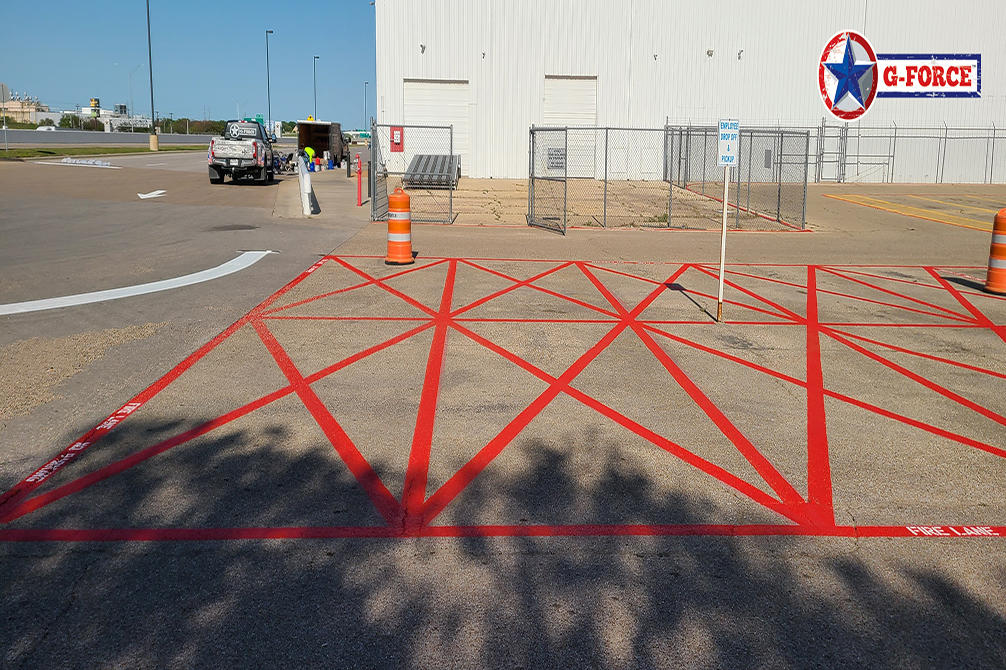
[(931, 385), (492, 296), (417, 471), (965, 532), (506, 320), (13, 496), (395, 292), (676, 450), (467, 473), (351, 288), (837, 396), (762, 465), (191, 534), (627, 262), (622, 274), (795, 229), (727, 301), (711, 321), (950, 312), (846, 270), (819, 486), (130, 461), (782, 310), (345, 318), (115, 468), (822, 291), (543, 289), (977, 313), (368, 479), (938, 359), (868, 324)]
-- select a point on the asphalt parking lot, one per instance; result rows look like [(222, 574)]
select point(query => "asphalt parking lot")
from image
[(523, 451)]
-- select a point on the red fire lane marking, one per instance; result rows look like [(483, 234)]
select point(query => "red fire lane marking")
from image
[(782, 488), (974, 532), (417, 471), (667, 445), (385, 503), (463, 477), (977, 313), (10, 499), (819, 485)]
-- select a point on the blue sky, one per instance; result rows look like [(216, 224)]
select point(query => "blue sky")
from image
[(209, 56)]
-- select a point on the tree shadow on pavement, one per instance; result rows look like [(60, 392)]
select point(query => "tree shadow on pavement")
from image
[(619, 602)]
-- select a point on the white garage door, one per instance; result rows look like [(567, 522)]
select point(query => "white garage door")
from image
[(572, 101), (438, 103)]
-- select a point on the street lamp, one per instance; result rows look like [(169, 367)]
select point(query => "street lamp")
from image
[(150, 65), (365, 104), (316, 87), (268, 88)]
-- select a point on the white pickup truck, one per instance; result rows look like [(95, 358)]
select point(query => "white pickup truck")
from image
[(244, 150)]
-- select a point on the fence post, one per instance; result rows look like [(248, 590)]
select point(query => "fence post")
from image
[(737, 197), (703, 161), (806, 169), (992, 158), (530, 174), (750, 154), (565, 175), (604, 220), (450, 191), (670, 173), (778, 197), (894, 150)]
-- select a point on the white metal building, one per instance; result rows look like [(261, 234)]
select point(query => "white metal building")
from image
[(492, 68)]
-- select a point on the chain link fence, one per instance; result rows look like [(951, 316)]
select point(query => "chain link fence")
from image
[(897, 154), (416, 159), (664, 177)]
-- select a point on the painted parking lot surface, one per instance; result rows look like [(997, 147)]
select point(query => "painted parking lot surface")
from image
[(428, 401)]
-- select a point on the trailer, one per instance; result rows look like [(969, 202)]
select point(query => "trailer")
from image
[(322, 136)]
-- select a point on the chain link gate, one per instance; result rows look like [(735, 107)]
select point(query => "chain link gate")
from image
[(398, 154), (663, 177)]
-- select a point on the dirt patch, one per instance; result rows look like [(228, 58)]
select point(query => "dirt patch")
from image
[(487, 202), (33, 368)]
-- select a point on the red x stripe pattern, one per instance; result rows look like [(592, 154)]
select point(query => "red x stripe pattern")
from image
[(416, 510)]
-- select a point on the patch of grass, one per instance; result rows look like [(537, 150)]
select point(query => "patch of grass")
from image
[(51, 152)]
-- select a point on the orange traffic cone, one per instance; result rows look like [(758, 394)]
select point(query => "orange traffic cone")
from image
[(399, 229), (995, 281)]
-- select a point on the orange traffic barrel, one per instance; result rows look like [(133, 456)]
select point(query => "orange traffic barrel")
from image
[(399, 229), (995, 282)]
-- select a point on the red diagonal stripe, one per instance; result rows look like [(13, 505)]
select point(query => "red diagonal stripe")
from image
[(948, 313), (417, 472), (762, 465), (351, 456)]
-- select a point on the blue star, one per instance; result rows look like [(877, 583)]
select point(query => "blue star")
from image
[(848, 73)]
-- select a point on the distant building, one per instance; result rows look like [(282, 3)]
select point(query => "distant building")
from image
[(20, 107)]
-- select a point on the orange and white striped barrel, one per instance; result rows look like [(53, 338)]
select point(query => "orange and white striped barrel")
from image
[(399, 229), (995, 282)]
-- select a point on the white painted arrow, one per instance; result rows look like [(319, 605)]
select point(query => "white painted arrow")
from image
[(153, 194), (246, 259)]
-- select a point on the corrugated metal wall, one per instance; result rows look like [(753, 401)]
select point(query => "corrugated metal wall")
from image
[(651, 59)]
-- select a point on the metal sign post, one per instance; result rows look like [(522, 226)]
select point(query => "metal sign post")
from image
[(729, 136)]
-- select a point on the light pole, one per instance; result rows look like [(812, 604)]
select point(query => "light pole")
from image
[(365, 104), (268, 87), (316, 87), (132, 107), (3, 94), (150, 65)]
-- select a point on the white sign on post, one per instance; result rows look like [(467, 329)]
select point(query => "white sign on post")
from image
[(729, 139), (730, 130)]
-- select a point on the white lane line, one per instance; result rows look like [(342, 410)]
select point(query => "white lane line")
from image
[(106, 167), (246, 259), (153, 194), (153, 164)]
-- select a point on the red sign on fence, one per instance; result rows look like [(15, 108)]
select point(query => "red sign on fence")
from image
[(397, 138)]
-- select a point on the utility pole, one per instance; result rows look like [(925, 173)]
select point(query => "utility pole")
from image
[(364, 126), (316, 87), (268, 87), (4, 102), (150, 65)]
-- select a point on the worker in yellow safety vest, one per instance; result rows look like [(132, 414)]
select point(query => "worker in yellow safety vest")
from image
[(310, 154)]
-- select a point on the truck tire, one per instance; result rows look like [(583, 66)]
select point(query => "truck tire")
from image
[(263, 176), (216, 176)]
